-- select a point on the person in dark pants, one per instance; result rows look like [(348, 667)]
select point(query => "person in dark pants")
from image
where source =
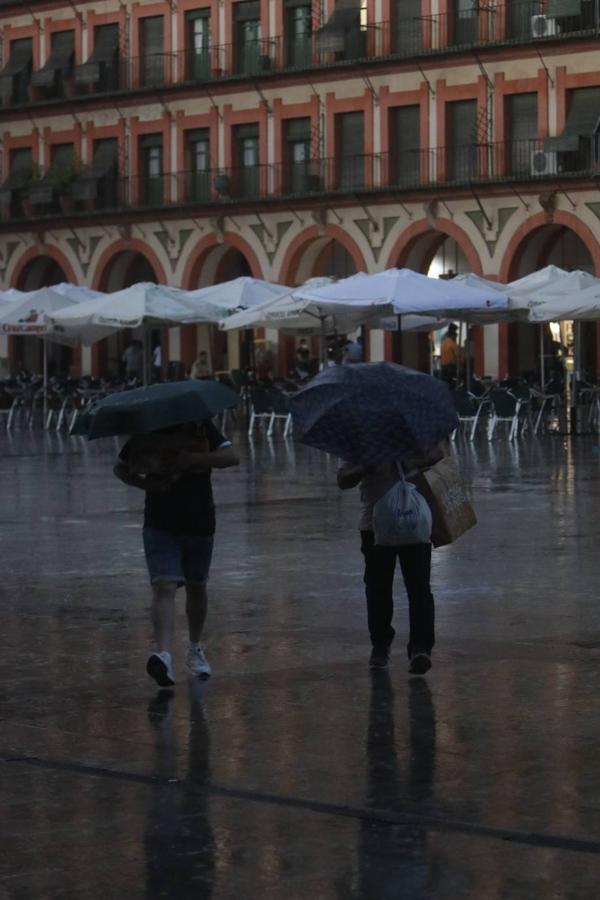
[(380, 566)]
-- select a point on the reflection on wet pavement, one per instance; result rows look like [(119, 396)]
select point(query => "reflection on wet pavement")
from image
[(296, 773)]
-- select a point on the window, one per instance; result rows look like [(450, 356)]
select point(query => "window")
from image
[(152, 63), (98, 186), (101, 71), (198, 44), (466, 23), (247, 160), (405, 155), (248, 55), (15, 185), (151, 158), (50, 78), (522, 128), (406, 26), (197, 148), (16, 74), (350, 143), (462, 140), (299, 33), (297, 156)]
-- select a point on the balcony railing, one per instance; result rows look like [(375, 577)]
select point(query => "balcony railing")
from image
[(523, 21), (403, 171)]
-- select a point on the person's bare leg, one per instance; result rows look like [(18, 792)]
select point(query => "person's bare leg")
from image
[(163, 614), (195, 607)]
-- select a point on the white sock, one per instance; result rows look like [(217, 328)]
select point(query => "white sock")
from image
[(195, 645)]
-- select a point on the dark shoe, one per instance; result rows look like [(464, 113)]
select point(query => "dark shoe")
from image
[(420, 662), (160, 667), (380, 656)]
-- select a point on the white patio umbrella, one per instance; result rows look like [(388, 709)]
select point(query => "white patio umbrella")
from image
[(215, 302), (553, 294), (290, 313), (406, 292), (31, 316), (144, 304)]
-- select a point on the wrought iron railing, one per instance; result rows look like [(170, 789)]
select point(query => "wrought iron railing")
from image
[(403, 170), (521, 21)]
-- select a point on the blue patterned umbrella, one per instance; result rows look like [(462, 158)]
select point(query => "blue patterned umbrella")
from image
[(373, 412)]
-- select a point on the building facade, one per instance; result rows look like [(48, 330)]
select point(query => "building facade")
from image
[(191, 141)]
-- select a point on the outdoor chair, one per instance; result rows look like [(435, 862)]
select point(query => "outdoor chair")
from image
[(469, 409), (54, 407), (505, 407), (8, 404), (260, 406), (548, 403), (280, 409)]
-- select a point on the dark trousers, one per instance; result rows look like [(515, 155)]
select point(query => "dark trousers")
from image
[(380, 565)]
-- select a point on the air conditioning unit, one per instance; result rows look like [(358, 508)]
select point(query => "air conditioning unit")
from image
[(544, 162), (543, 26)]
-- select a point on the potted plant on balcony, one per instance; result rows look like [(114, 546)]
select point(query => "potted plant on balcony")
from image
[(62, 177), (25, 179), (223, 184)]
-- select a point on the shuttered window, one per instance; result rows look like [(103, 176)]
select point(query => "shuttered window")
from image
[(152, 42), (405, 129), (247, 36), (297, 139), (350, 143), (197, 146), (407, 26), (299, 33), (522, 117), (462, 139), (198, 44), (151, 152)]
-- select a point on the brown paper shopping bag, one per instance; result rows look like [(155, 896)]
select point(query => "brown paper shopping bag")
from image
[(449, 500)]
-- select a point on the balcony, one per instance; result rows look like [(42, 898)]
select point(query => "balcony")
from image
[(404, 39), (441, 168)]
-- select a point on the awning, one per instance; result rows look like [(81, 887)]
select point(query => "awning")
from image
[(60, 60), (345, 16), (560, 8), (582, 119), (86, 187), (20, 60), (105, 50)]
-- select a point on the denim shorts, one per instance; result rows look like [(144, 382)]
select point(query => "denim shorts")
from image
[(177, 557)]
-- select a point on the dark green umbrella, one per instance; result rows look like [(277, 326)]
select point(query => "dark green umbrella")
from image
[(155, 407)]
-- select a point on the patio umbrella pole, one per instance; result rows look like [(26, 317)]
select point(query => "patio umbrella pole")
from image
[(145, 353), (467, 359), (322, 320), (542, 359), (45, 374), (460, 335)]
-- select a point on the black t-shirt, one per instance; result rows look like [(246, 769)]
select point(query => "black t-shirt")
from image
[(188, 506)]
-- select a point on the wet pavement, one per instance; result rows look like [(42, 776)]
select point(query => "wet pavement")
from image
[(295, 773)]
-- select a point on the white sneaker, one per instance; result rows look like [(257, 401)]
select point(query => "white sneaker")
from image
[(197, 662), (160, 667)]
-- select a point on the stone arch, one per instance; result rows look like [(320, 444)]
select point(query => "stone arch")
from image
[(302, 256), (513, 255), (210, 250), (124, 252), (41, 262), (418, 244)]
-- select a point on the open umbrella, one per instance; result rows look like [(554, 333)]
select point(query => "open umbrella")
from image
[(155, 407), (404, 291), (370, 413)]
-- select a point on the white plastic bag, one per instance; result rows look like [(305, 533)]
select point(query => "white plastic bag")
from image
[(402, 516)]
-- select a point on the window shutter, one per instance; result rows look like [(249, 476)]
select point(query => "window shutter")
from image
[(523, 117), (351, 134)]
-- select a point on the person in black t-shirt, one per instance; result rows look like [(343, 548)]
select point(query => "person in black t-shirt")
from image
[(173, 467)]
